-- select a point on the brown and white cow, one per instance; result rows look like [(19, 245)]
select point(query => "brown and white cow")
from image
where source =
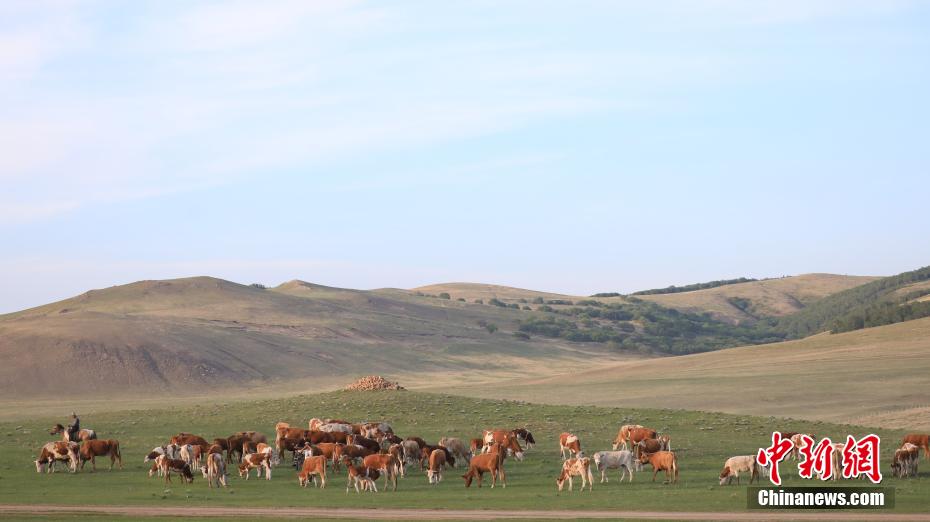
[(437, 461), (258, 461), (920, 440), (575, 467), (507, 439), (215, 470), (569, 443), (904, 462), (313, 466), (51, 452), (662, 461), (177, 466), (623, 436), (92, 449)]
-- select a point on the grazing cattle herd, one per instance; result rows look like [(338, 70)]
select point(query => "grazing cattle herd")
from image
[(371, 451)]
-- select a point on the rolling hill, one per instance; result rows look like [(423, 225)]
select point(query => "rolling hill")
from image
[(873, 377), (765, 298), (200, 333)]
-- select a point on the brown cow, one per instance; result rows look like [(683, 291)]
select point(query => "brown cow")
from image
[(662, 461), (638, 434), (352, 452), (492, 463), (576, 467), (428, 450), (919, 440), (386, 464), (437, 461), (648, 446), (569, 443), (364, 442), (315, 465), (187, 438), (92, 449), (476, 445)]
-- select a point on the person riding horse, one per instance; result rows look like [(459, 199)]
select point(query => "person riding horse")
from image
[(74, 427)]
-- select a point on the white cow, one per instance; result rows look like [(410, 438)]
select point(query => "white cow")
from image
[(736, 465), (621, 460)]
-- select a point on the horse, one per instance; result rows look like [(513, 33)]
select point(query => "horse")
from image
[(83, 435)]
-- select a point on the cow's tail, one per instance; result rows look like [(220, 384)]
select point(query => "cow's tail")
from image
[(115, 444), (675, 467)]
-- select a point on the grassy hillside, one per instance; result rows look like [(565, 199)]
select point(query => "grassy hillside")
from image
[(473, 291), (862, 306), (703, 441), (197, 333), (747, 302), (875, 377)]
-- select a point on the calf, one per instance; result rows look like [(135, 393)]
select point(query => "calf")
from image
[(92, 449), (312, 466), (576, 467), (169, 466), (622, 460), (258, 461), (736, 465), (569, 443), (360, 476), (662, 461), (437, 460)]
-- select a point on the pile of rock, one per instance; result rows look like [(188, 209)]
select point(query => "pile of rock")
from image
[(373, 382)]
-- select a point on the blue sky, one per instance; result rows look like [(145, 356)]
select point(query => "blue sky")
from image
[(576, 147)]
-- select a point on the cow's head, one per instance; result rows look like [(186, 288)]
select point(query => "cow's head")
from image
[(725, 476), (58, 428)]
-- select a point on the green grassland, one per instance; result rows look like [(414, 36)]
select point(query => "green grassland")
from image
[(703, 441)]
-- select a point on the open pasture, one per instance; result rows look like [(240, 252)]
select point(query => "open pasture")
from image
[(702, 440)]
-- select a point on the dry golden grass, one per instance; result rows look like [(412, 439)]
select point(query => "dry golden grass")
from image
[(877, 376), (773, 297), (472, 291)]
